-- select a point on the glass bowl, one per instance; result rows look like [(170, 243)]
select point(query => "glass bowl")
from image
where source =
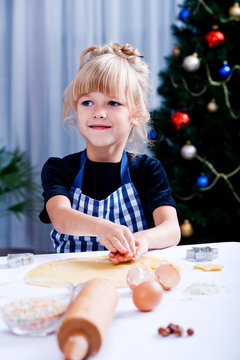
[(34, 307)]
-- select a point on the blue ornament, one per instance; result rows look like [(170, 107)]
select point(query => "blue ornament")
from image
[(184, 13), (152, 135), (202, 181), (225, 70)]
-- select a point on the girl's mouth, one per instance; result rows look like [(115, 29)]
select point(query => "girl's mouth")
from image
[(99, 127)]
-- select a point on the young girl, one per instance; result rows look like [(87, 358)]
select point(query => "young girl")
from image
[(105, 198)]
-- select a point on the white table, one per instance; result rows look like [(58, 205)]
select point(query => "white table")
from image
[(215, 318)]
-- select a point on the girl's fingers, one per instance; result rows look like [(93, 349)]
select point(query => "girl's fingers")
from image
[(120, 258), (109, 246), (115, 261), (131, 242), (121, 243), (137, 243), (115, 246), (118, 238), (142, 249)]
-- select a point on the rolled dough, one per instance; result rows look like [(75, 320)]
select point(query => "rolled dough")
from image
[(78, 270)]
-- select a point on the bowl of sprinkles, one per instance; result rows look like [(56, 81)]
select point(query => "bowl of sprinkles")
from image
[(36, 307)]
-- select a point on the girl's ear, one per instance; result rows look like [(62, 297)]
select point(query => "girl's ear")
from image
[(136, 117)]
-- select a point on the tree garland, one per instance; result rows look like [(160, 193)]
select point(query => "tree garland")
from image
[(213, 83), (219, 175), (209, 10)]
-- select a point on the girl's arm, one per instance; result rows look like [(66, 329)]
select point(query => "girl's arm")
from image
[(165, 233), (115, 237)]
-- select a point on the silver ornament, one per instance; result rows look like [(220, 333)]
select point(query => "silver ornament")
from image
[(188, 151), (191, 63)]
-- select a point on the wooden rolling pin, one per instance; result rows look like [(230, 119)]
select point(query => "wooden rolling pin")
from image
[(86, 322)]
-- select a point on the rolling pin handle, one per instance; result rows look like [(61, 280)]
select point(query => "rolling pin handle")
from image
[(76, 347)]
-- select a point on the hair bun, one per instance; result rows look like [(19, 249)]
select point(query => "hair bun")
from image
[(125, 50)]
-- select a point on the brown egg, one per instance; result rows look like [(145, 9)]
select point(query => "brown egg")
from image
[(147, 295), (167, 275), (137, 275)]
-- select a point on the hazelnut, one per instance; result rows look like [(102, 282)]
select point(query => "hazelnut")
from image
[(178, 331), (190, 332), (172, 327), (164, 331)]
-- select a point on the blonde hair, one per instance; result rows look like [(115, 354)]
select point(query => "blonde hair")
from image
[(114, 70)]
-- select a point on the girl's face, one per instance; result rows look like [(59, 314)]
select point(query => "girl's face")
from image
[(105, 123)]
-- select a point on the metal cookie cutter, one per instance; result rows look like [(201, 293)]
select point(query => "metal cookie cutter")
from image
[(18, 260), (202, 253)]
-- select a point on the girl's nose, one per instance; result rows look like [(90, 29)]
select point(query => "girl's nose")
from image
[(99, 113)]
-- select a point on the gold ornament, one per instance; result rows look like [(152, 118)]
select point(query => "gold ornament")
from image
[(234, 10), (191, 63), (186, 228), (176, 51), (212, 106)]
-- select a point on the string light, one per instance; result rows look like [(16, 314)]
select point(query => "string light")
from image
[(206, 7), (225, 89), (174, 84), (233, 115), (219, 83), (210, 11), (219, 175), (185, 198), (195, 94), (213, 83)]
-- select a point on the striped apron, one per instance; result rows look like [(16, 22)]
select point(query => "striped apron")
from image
[(123, 207)]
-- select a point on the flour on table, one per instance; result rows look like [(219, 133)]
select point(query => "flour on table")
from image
[(198, 288)]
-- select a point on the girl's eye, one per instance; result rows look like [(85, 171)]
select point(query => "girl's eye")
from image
[(87, 103), (114, 103)]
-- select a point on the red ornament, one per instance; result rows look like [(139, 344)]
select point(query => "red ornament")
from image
[(178, 119), (214, 38)]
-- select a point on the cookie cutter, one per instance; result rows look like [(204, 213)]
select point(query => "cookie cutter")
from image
[(18, 260), (202, 253)]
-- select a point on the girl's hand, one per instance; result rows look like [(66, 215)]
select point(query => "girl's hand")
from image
[(117, 238), (141, 249), (118, 258)]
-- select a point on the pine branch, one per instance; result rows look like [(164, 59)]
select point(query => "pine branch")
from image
[(19, 191)]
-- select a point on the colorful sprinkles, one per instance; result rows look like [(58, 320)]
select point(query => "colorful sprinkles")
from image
[(33, 314)]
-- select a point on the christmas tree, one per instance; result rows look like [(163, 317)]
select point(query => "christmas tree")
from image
[(196, 131)]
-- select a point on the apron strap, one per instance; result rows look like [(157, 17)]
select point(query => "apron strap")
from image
[(124, 172), (125, 175), (79, 178)]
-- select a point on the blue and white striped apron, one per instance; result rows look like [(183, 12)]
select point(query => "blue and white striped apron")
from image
[(123, 207)]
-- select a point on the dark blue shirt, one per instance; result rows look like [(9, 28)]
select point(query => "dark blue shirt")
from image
[(102, 179)]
